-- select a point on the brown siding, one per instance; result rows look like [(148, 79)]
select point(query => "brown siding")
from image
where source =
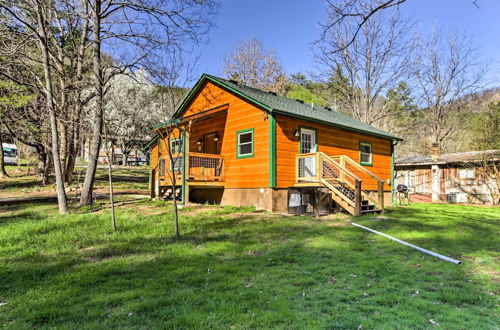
[(239, 173), (332, 141)]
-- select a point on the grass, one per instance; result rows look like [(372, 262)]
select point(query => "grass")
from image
[(20, 184), (236, 268)]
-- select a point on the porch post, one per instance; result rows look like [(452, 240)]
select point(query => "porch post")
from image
[(381, 195), (185, 167), (357, 199)]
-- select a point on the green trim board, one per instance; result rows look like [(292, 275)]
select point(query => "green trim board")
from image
[(176, 159), (151, 142), (272, 151), (183, 190), (238, 156), (315, 137), (175, 140), (361, 143), (318, 121), (392, 173), (200, 83)]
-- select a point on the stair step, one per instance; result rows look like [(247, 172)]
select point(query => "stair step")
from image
[(367, 207), (371, 211)]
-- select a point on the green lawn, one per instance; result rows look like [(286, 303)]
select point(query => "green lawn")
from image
[(235, 268), (19, 184)]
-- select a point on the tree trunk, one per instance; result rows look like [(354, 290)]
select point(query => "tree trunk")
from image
[(124, 157), (88, 183), (110, 179), (3, 173), (74, 146), (42, 168), (63, 150), (111, 197), (61, 194)]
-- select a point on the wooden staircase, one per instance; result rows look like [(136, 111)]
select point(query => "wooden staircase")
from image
[(341, 175)]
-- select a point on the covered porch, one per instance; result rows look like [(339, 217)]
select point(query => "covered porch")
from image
[(191, 156)]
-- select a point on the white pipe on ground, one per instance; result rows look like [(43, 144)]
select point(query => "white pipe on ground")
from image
[(439, 256)]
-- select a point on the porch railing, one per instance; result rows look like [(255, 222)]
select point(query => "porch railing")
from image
[(206, 167), (337, 174)]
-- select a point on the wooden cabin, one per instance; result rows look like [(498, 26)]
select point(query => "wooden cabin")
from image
[(462, 177), (237, 145)]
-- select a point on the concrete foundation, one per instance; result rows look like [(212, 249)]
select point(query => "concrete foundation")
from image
[(273, 200)]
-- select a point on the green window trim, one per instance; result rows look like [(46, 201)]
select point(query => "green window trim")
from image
[(315, 137), (370, 163), (178, 157), (272, 151), (172, 141), (238, 156)]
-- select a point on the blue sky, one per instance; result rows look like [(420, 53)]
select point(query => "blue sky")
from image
[(290, 26)]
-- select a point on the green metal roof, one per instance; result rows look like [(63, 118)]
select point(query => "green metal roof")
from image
[(294, 108), (279, 104)]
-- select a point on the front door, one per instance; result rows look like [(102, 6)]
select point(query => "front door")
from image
[(210, 143), (308, 145)]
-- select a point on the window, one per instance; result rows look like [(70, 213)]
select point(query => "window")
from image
[(162, 167), (307, 140), (176, 146), (177, 162), (244, 143), (467, 173), (365, 153)]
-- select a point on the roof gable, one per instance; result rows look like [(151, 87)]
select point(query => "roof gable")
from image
[(283, 105)]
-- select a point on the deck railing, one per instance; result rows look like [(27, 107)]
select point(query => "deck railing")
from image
[(339, 175), (206, 167), (202, 167)]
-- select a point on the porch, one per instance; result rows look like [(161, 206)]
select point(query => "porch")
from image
[(201, 169)]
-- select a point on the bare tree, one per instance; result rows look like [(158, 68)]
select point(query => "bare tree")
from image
[(12, 97), (374, 58), (32, 22), (447, 70), (133, 32), (108, 151), (342, 12), (252, 65)]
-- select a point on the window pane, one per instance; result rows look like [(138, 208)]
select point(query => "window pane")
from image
[(365, 158), (176, 146), (245, 137), (245, 149), (177, 162), (366, 148)]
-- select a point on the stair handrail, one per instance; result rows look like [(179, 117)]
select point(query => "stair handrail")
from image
[(357, 182), (359, 167), (380, 183), (337, 165)]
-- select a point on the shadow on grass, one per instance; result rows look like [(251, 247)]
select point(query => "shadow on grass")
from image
[(15, 183), (246, 271)]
